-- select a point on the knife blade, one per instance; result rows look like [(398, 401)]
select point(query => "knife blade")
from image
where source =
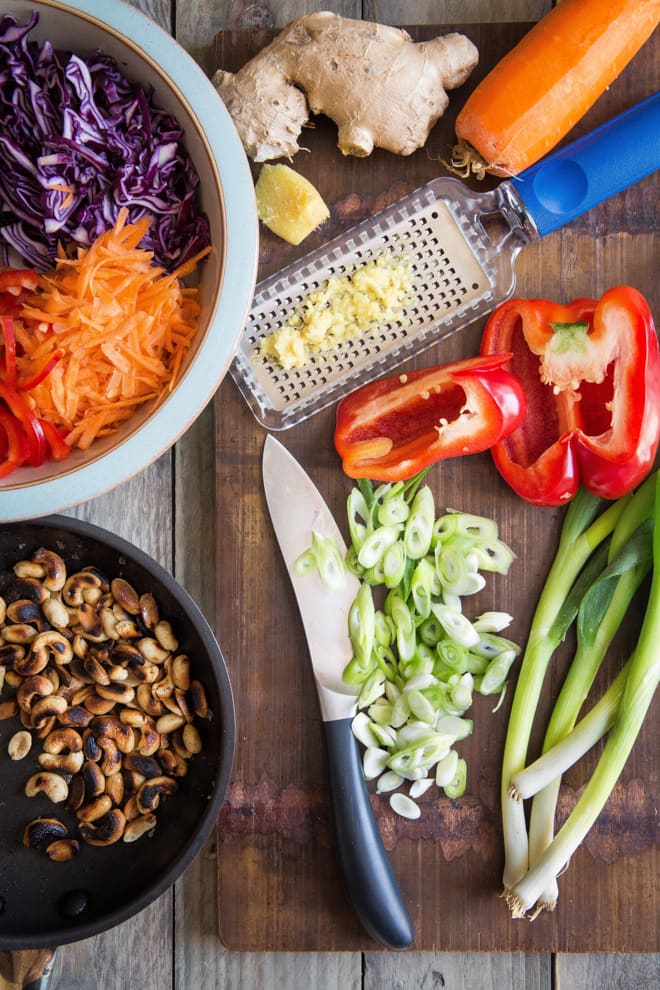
[(297, 509)]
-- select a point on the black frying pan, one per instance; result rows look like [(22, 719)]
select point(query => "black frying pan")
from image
[(45, 904)]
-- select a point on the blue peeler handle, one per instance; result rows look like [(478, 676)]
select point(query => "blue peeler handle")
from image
[(615, 155)]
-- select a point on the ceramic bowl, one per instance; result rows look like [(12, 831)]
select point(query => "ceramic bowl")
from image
[(147, 54)]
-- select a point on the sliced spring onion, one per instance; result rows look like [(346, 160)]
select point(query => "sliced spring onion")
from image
[(362, 624), (420, 706), (456, 625), (419, 787), (330, 562), (388, 781), (380, 712), (394, 511), (416, 657), (494, 556), (374, 761), (361, 726), (496, 673), (457, 571), (394, 565), (492, 622), (418, 530), (478, 528), (421, 588), (404, 806), (372, 688), (384, 734), (456, 787), (445, 771), (325, 555), (375, 544)]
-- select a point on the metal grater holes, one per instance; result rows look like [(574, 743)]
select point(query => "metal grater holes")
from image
[(444, 287)]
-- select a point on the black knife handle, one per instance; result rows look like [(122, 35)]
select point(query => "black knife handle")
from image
[(370, 882)]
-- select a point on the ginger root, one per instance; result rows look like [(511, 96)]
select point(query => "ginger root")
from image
[(288, 203), (379, 87)]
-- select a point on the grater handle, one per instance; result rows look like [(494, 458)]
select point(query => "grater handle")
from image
[(615, 155)]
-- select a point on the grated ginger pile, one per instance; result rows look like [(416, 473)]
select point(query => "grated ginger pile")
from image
[(344, 308)]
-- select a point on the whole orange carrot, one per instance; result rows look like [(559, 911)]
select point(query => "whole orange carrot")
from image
[(543, 86)]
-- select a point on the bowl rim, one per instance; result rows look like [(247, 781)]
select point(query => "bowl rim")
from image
[(227, 715), (154, 437)]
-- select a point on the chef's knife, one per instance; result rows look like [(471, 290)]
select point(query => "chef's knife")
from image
[(297, 510), (461, 247)]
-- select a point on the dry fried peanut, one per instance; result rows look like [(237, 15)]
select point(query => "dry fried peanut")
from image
[(19, 745), (93, 672), (62, 850)]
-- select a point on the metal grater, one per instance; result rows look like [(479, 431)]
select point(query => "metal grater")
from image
[(459, 275)]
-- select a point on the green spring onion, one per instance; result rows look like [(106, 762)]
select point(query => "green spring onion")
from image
[(546, 770), (621, 710), (580, 535)]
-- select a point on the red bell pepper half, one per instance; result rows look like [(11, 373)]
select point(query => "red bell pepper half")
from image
[(390, 429), (591, 374)]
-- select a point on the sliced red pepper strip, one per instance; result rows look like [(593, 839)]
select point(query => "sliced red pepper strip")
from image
[(58, 448), (591, 375), (34, 434), (18, 280), (26, 384), (390, 429), (9, 338), (14, 443)]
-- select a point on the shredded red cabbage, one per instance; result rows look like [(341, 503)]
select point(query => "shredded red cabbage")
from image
[(78, 142)]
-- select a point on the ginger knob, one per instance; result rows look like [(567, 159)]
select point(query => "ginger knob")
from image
[(288, 203)]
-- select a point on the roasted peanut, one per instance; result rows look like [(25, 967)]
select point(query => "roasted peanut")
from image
[(97, 677), (20, 744)]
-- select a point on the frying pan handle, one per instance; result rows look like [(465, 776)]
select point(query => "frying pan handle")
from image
[(582, 174), (370, 882), (28, 969)]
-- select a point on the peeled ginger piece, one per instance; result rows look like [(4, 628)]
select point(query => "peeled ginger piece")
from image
[(288, 203)]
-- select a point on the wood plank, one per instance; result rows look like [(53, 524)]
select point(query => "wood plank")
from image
[(453, 11), (458, 970), (608, 972), (276, 847)]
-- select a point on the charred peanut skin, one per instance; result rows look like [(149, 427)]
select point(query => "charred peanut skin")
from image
[(96, 675)]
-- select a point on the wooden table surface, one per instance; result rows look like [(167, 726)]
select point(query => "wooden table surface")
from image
[(168, 512)]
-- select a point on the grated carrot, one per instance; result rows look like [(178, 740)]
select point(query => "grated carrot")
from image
[(123, 325)]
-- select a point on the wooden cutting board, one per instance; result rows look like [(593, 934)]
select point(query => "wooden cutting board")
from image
[(278, 882)]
